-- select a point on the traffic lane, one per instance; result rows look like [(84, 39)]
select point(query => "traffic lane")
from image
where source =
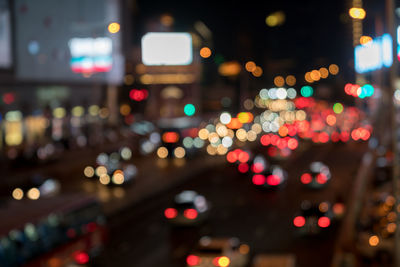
[(141, 237)]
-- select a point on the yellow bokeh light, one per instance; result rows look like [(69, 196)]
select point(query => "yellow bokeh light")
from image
[(373, 241), (179, 152), (125, 109), (224, 261), (315, 75), (279, 81), (333, 69), (213, 138), (357, 13), (365, 39), (211, 150), (114, 27), (129, 79), (251, 136), (308, 78), (324, 72), (275, 19), (244, 249), (167, 20), (205, 52), (88, 171), (105, 179), (101, 170), (33, 193), (290, 80), (257, 72), (221, 150), (17, 193), (241, 134), (203, 134), (162, 152), (118, 177), (250, 66)]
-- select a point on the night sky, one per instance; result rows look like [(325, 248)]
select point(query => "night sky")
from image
[(313, 32)]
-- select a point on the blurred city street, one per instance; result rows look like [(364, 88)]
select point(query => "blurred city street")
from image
[(199, 134)]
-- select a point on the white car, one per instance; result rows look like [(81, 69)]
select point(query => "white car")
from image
[(221, 252)]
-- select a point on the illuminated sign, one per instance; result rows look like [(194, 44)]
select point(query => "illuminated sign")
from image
[(167, 48), (90, 55), (374, 55)]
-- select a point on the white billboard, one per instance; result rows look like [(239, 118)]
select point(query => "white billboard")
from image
[(167, 48)]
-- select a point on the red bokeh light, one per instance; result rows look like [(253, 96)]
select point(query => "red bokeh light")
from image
[(293, 143), (81, 257), (299, 221), (273, 180), (258, 179), (170, 213), (265, 140), (193, 260), (324, 222), (243, 156), (231, 157), (257, 167), (191, 214), (243, 167), (306, 178), (138, 94), (321, 178)]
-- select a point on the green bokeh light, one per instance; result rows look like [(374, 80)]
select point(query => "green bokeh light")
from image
[(189, 109), (338, 108), (306, 91)]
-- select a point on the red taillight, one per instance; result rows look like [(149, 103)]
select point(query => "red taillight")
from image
[(324, 222), (81, 257), (257, 167), (299, 221), (321, 178), (243, 167), (273, 180), (193, 260), (170, 213), (258, 179), (306, 178), (191, 214)]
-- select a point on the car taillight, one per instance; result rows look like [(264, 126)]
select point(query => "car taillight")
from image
[(191, 214), (258, 179), (306, 178), (273, 180), (221, 261), (243, 167), (324, 222), (170, 213), (193, 260), (257, 167), (81, 257), (299, 221), (321, 178)]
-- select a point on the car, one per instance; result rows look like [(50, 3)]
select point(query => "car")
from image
[(264, 175), (211, 251), (317, 176), (113, 169), (313, 218), (189, 208)]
